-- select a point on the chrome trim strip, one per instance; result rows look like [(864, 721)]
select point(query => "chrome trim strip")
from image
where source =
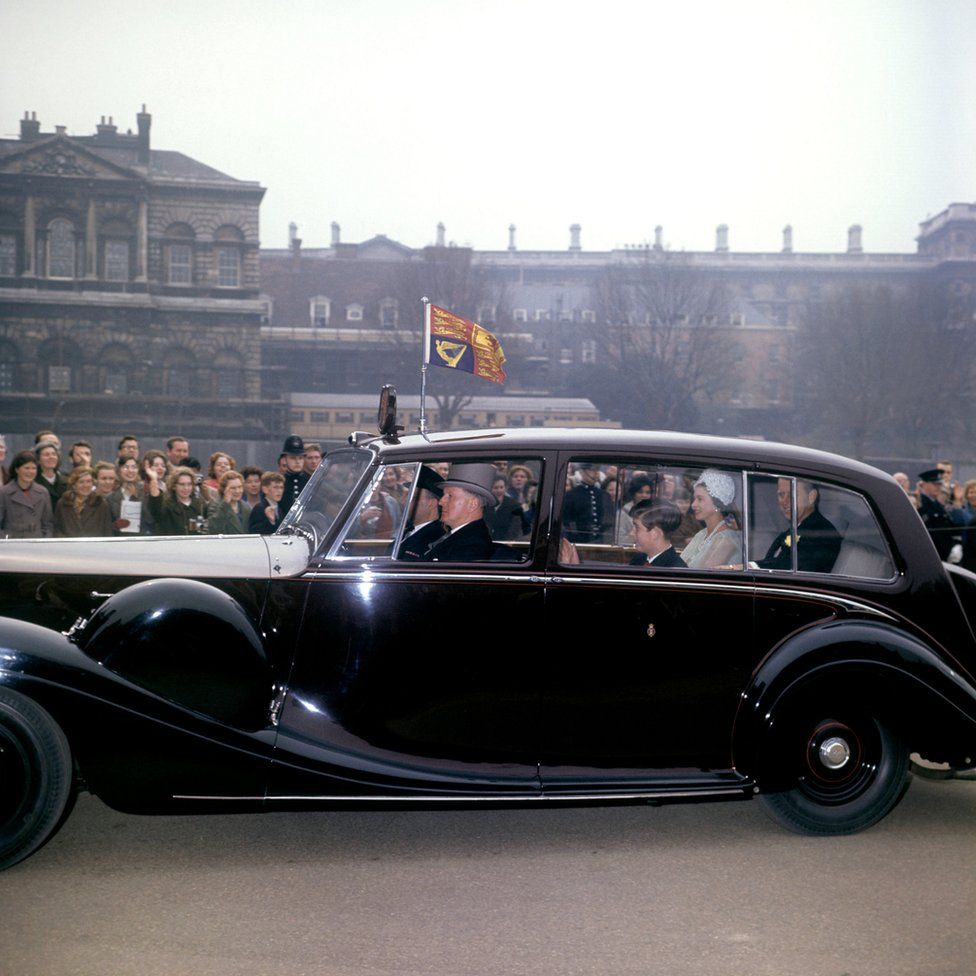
[(736, 586), (744, 787)]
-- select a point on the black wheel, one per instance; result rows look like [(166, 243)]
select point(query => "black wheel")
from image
[(36, 777), (847, 775)]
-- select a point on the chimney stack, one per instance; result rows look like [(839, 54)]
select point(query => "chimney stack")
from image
[(336, 233), (722, 239), (440, 234), (144, 121), (292, 232), (511, 237), (107, 131), (854, 239), (30, 128), (787, 239), (574, 237), (659, 238)]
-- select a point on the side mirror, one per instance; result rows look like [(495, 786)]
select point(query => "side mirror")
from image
[(386, 417)]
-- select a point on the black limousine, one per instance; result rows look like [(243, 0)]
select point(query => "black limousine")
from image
[(653, 617)]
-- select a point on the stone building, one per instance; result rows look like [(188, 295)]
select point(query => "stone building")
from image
[(129, 283), (339, 316)]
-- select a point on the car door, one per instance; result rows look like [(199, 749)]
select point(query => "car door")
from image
[(643, 666), (415, 676)]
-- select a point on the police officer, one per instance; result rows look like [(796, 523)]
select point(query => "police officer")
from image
[(933, 512), (296, 477)]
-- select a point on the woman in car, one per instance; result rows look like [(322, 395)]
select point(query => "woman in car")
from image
[(25, 507), (81, 512), (178, 511), (229, 515), (719, 544)]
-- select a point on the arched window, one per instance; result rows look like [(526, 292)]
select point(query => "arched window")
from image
[(61, 248), (61, 361), (229, 369), (115, 360), (179, 254), (177, 367)]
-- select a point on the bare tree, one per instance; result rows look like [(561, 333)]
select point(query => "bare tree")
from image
[(447, 276), (663, 340), (887, 371)]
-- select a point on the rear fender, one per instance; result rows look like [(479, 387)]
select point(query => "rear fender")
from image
[(862, 666)]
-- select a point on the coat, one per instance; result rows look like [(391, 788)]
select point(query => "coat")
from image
[(25, 515), (223, 520), (663, 560), (94, 519), (145, 519), (818, 544), (470, 543), (171, 517)]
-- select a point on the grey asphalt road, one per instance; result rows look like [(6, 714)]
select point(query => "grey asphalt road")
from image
[(709, 890)]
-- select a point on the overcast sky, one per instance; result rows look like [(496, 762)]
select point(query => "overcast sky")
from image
[(391, 115)]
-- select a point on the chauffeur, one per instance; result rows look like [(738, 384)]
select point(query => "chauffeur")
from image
[(466, 493)]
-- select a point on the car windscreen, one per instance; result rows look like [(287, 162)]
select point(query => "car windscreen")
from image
[(323, 497)]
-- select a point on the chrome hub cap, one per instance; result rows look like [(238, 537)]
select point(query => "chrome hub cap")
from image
[(835, 753)]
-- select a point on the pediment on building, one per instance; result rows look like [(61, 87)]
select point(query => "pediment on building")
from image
[(381, 248), (62, 156)]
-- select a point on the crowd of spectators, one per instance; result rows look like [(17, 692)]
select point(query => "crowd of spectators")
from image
[(46, 491)]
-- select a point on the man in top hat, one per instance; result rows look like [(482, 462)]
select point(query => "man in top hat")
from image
[(296, 477), (933, 512), (425, 526), (465, 494)]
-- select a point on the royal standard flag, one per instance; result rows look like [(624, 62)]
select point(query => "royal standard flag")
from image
[(457, 343)]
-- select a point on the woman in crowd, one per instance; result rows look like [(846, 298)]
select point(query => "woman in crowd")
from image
[(178, 511), (4, 475), (48, 476), (106, 478), (25, 507), (160, 464), (130, 515), (252, 486), (719, 543), (965, 515), (220, 464), (519, 477), (637, 491), (506, 519), (81, 512), (228, 515)]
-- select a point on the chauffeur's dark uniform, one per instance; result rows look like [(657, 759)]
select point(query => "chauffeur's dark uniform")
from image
[(470, 543), (818, 543)]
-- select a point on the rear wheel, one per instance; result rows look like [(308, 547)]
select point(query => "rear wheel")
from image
[(847, 774), (35, 777)]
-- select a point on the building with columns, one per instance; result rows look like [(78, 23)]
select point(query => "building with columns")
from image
[(129, 282)]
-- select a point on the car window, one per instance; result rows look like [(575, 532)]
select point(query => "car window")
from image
[(651, 514), (404, 511), (326, 493), (800, 525)]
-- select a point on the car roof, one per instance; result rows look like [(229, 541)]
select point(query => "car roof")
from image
[(593, 441)]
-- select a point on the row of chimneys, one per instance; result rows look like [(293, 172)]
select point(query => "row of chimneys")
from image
[(106, 133), (721, 238)]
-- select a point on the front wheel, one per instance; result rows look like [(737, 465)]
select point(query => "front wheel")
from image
[(847, 774), (36, 777)]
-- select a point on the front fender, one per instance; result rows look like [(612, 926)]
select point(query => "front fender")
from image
[(867, 666)]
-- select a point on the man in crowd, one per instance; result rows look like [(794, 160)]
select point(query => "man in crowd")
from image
[(80, 453), (933, 512), (129, 447), (177, 448), (313, 458)]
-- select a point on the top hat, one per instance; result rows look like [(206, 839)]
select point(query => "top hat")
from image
[(476, 478)]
